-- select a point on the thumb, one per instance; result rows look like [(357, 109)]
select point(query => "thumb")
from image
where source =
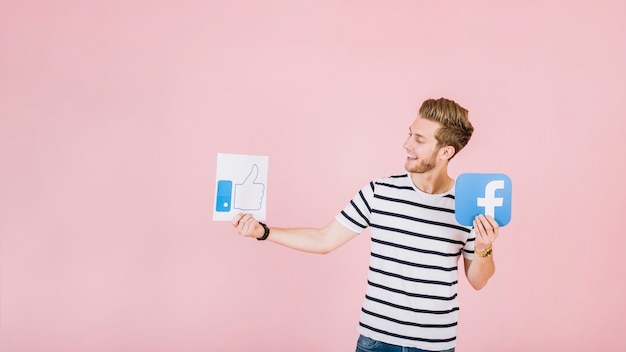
[(254, 173)]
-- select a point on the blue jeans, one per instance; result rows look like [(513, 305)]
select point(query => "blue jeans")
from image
[(365, 344)]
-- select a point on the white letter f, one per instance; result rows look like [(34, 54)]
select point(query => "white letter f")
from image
[(490, 202)]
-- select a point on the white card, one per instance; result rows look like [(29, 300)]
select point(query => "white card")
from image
[(240, 186)]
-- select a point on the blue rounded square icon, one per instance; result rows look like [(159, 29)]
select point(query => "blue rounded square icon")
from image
[(488, 194)]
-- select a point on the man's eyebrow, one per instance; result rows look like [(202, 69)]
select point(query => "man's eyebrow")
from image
[(416, 134)]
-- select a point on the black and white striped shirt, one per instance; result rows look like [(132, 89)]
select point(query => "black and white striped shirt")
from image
[(416, 243)]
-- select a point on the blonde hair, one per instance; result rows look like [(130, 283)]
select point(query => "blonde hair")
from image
[(455, 130)]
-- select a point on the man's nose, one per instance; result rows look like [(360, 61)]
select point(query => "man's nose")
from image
[(406, 145)]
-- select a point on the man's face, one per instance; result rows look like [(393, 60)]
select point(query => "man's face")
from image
[(421, 146)]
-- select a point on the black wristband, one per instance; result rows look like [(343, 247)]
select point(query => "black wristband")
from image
[(265, 234)]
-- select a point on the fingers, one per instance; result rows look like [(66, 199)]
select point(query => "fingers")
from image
[(492, 222), (245, 224), (486, 229), (237, 218)]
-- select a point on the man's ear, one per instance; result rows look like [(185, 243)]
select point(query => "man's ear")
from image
[(447, 152)]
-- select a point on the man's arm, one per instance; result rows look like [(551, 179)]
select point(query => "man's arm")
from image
[(481, 268), (322, 241)]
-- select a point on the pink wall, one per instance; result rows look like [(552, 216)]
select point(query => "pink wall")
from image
[(112, 113)]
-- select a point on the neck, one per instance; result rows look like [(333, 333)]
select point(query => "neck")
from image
[(432, 183)]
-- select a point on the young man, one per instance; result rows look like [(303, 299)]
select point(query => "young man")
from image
[(416, 243)]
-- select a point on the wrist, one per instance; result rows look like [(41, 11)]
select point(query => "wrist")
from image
[(484, 253), (266, 232)]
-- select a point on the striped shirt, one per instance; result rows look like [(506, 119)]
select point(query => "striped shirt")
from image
[(416, 243)]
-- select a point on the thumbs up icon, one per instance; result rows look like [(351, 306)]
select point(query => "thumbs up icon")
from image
[(249, 194)]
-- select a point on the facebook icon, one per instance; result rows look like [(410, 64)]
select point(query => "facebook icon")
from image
[(488, 194)]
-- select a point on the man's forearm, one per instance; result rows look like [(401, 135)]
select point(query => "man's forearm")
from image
[(312, 240), (303, 239), (480, 270)]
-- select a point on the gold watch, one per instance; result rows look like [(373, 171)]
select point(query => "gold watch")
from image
[(485, 252)]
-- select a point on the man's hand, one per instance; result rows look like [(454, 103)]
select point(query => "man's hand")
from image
[(482, 267), (247, 225), (487, 230)]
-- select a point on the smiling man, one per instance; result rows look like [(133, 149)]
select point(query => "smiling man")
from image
[(416, 243)]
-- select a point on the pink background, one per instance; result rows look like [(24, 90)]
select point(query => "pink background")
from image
[(112, 113)]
